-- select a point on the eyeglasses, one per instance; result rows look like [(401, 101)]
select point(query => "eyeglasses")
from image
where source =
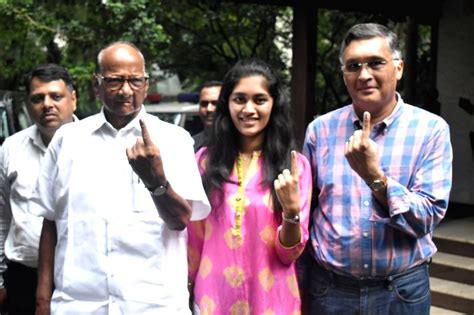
[(116, 83), (355, 67), (206, 103)]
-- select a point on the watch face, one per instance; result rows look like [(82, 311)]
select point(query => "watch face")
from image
[(160, 190), (377, 185)]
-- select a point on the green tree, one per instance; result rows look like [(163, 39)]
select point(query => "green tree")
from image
[(71, 33), (198, 40), (207, 37)]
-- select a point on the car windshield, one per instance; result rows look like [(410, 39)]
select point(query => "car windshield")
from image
[(183, 114), (173, 118)]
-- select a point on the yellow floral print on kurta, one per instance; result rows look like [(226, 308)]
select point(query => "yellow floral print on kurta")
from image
[(233, 241), (234, 276), (240, 308), (293, 285), (266, 279), (207, 306), (208, 232), (268, 235), (205, 267)]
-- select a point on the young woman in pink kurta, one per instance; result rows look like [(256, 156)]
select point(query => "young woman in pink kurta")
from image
[(241, 258)]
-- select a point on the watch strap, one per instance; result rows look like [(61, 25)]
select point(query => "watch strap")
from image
[(165, 187)]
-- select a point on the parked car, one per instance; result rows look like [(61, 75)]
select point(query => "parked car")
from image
[(183, 114)]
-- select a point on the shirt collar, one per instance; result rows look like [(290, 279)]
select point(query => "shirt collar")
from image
[(385, 124), (397, 111), (34, 134), (100, 123)]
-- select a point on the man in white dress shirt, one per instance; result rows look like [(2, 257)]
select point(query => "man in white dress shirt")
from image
[(51, 103), (116, 202)]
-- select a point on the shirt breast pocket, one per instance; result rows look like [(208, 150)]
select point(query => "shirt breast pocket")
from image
[(21, 187)]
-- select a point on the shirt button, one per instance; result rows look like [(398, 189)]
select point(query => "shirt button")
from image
[(366, 266), (366, 203), (365, 234)]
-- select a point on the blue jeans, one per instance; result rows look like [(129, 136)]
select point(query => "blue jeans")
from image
[(406, 293)]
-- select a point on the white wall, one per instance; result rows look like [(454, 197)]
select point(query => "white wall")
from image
[(455, 79)]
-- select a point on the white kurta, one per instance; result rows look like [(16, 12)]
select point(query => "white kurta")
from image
[(114, 253)]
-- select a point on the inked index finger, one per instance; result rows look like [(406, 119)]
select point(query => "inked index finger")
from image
[(366, 126), (294, 164), (145, 135)]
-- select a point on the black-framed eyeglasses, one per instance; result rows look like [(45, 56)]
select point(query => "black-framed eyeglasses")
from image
[(116, 83), (355, 67), (206, 103)]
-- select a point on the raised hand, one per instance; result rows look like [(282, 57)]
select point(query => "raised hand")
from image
[(145, 159), (362, 152), (287, 188)]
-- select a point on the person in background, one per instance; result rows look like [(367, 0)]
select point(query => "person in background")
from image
[(207, 106), (241, 258), (4, 200), (51, 103), (382, 176), (116, 202)]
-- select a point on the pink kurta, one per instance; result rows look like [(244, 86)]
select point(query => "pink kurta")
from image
[(250, 273)]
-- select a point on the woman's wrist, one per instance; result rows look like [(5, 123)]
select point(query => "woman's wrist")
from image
[(291, 218)]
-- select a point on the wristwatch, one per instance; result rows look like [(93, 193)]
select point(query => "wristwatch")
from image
[(159, 190), (294, 220), (378, 184)]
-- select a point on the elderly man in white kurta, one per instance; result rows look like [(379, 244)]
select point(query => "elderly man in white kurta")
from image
[(116, 192)]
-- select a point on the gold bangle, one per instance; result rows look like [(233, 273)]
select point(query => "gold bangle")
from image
[(293, 220)]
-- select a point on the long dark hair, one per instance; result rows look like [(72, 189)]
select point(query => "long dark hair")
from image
[(223, 146)]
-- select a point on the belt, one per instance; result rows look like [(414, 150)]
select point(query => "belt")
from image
[(364, 282)]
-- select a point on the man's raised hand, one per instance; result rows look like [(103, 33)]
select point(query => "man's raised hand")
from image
[(362, 152), (145, 159)]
